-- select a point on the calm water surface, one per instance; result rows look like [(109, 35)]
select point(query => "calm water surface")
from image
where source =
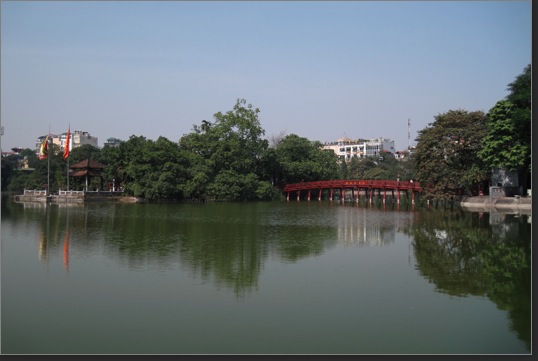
[(263, 278)]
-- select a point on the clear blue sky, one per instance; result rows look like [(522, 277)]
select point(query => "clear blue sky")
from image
[(320, 70)]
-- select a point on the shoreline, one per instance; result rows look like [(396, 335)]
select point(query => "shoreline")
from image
[(470, 203), (486, 203)]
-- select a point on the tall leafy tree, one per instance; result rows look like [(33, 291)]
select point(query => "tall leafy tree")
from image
[(508, 141), (10, 165), (227, 156), (153, 169), (303, 160), (344, 170), (85, 151), (446, 159)]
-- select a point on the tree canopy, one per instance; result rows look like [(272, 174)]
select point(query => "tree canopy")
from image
[(507, 143), (302, 160), (445, 159)]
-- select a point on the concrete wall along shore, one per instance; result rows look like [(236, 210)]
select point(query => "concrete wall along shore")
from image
[(486, 203), (40, 196)]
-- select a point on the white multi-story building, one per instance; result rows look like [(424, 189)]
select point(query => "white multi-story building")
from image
[(346, 148), (78, 138)]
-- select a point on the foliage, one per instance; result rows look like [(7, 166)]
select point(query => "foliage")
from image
[(463, 253), (147, 168), (386, 167), (521, 90), (226, 159), (300, 159), (344, 172), (508, 141), (9, 169), (227, 156), (39, 177), (85, 151), (446, 157), (503, 146)]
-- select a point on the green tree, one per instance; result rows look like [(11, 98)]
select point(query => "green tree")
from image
[(387, 167), (508, 141), (154, 170), (446, 159), (353, 168), (85, 151), (9, 169), (303, 160), (110, 157), (228, 157), (238, 144), (362, 168), (344, 170)]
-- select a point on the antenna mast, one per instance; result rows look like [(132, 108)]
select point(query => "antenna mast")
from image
[(408, 133)]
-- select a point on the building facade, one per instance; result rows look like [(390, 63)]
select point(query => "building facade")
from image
[(78, 138), (346, 148), (112, 142)]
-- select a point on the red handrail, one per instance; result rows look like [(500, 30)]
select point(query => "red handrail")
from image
[(347, 183)]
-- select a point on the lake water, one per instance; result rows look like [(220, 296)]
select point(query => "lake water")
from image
[(263, 278)]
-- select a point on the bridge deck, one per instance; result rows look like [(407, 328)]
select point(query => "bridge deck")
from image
[(354, 184)]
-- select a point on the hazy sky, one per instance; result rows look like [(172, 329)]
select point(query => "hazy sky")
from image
[(320, 70)]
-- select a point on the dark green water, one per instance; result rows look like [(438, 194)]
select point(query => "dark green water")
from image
[(263, 278)]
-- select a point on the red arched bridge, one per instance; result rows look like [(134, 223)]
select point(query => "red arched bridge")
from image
[(357, 187)]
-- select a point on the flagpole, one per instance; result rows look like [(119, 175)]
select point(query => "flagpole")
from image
[(68, 173), (68, 140), (49, 147)]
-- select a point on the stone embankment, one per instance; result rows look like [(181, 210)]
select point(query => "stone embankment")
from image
[(510, 204)]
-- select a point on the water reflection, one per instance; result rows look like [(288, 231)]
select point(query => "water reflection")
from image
[(481, 254), (43, 246), (462, 253), (66, 250), (374, 226)]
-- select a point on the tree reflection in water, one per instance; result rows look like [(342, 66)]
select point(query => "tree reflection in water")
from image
[(481, 254), (462, 253)]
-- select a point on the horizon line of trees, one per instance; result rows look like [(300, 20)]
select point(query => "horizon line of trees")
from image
[(229, 159)]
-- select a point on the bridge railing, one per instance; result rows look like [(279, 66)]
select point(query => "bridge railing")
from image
[(71, 193), (344, 183), (35, 192)]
